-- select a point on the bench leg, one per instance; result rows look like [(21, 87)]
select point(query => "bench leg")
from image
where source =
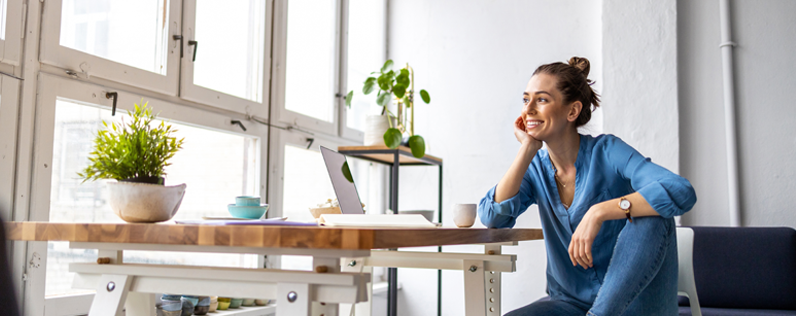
[(474, 288), (111, 295), (292, 299)]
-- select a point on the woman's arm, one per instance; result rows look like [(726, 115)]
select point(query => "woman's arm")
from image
[(507, 200), (509, 185), (659, 192)]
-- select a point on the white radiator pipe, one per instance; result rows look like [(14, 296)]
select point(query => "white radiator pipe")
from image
[(729, 113)]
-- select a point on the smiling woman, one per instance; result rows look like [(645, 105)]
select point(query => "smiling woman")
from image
[(589, 190)]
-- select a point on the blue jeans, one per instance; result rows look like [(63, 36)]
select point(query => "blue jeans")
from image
[(641, 278)]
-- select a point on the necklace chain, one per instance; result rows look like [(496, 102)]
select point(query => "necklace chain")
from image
[(558, 181)]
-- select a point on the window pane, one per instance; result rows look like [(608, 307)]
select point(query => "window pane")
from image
[(215, 166), (310, 78), (3, 10), (366, 53), (231, 37), (134, 33)]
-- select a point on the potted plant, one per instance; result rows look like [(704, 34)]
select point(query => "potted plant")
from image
[(399, 86), (136, 154)]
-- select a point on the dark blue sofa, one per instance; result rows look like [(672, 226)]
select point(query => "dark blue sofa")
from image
[(744, 271)]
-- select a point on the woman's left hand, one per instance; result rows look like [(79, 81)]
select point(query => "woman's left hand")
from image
[(583, 238)]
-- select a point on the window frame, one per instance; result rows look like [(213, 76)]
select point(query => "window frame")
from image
[(50, 89), (9, 109), (86, 65), (190, 91), (11, 45)]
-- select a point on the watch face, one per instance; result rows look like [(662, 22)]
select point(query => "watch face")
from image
[(625, 204)]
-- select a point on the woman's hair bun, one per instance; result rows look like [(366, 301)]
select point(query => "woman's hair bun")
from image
[(581, 64)]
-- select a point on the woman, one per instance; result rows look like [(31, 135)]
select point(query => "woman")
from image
[(606, 210)]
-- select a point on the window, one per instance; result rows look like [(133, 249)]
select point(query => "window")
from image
[(11, 12), (230, 41), (145, 50), (366, 53), (131, 42)]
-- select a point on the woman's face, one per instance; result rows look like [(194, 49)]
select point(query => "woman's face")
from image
[(543, 110)]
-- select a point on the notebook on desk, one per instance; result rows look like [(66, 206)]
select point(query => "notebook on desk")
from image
[(352, 213)]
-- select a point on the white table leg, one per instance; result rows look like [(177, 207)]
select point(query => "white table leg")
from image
[(356, 265), (474, 288), (140, 304), (111, 295), (492, 284), (292, 299), (325, 265)]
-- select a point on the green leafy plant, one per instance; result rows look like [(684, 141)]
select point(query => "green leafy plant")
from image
[(400, 87), (133, 150)]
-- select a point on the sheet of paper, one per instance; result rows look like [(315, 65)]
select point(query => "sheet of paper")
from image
[(376, 221)]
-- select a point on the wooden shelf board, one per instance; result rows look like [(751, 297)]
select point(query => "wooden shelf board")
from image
[(404, 157)]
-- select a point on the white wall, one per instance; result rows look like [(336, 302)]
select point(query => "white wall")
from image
[(475, 58), (640, 95), (764, 80)]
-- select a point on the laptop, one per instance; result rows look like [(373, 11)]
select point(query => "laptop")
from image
[(342, 181)]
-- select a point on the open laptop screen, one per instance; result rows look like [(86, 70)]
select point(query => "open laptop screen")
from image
[(342, 181)]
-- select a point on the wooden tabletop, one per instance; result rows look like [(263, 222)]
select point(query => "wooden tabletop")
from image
[(404, 154), (263, 236)]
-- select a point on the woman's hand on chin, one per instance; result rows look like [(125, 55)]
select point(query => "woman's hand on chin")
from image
[(523, 137), (583, 238)]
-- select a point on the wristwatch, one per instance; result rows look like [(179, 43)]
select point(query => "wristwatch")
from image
[(624, 204)]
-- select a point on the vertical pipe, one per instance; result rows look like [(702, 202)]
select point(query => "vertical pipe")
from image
[(392, 273), (729, 113), (439, 249)]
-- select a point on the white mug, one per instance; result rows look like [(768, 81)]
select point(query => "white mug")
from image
[(464, 214)]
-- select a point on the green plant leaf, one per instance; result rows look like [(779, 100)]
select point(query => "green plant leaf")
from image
[(392, 138), (387, 65), (418, 146), (403, 78), (347, 172), (424, 95), (399, 90), (383, 99), (368, 87), (348, 98), (384, 82)]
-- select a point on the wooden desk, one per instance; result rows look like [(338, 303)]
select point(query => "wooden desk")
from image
[(296, 292)]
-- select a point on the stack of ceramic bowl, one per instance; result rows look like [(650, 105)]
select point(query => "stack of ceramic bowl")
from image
[(213, 304), (247, 302), (189, 304), (223, 303), (170, 305), (248, 207), (203, 307), (235, 302)]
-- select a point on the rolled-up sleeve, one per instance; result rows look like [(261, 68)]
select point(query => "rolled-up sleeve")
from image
[(668, 193), (504, 214)]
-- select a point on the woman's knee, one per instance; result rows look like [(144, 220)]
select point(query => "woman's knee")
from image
[(650, 224)]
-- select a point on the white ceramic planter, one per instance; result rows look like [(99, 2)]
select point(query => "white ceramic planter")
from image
[(375, 126), (145, 203)]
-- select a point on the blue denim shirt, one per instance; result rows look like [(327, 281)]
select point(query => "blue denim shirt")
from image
[(607, 168)]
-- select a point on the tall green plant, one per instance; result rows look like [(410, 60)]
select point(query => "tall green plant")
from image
[(137, 149), (399, 86)]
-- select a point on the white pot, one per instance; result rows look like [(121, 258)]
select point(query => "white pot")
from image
[(375, 126), (143, 202)]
